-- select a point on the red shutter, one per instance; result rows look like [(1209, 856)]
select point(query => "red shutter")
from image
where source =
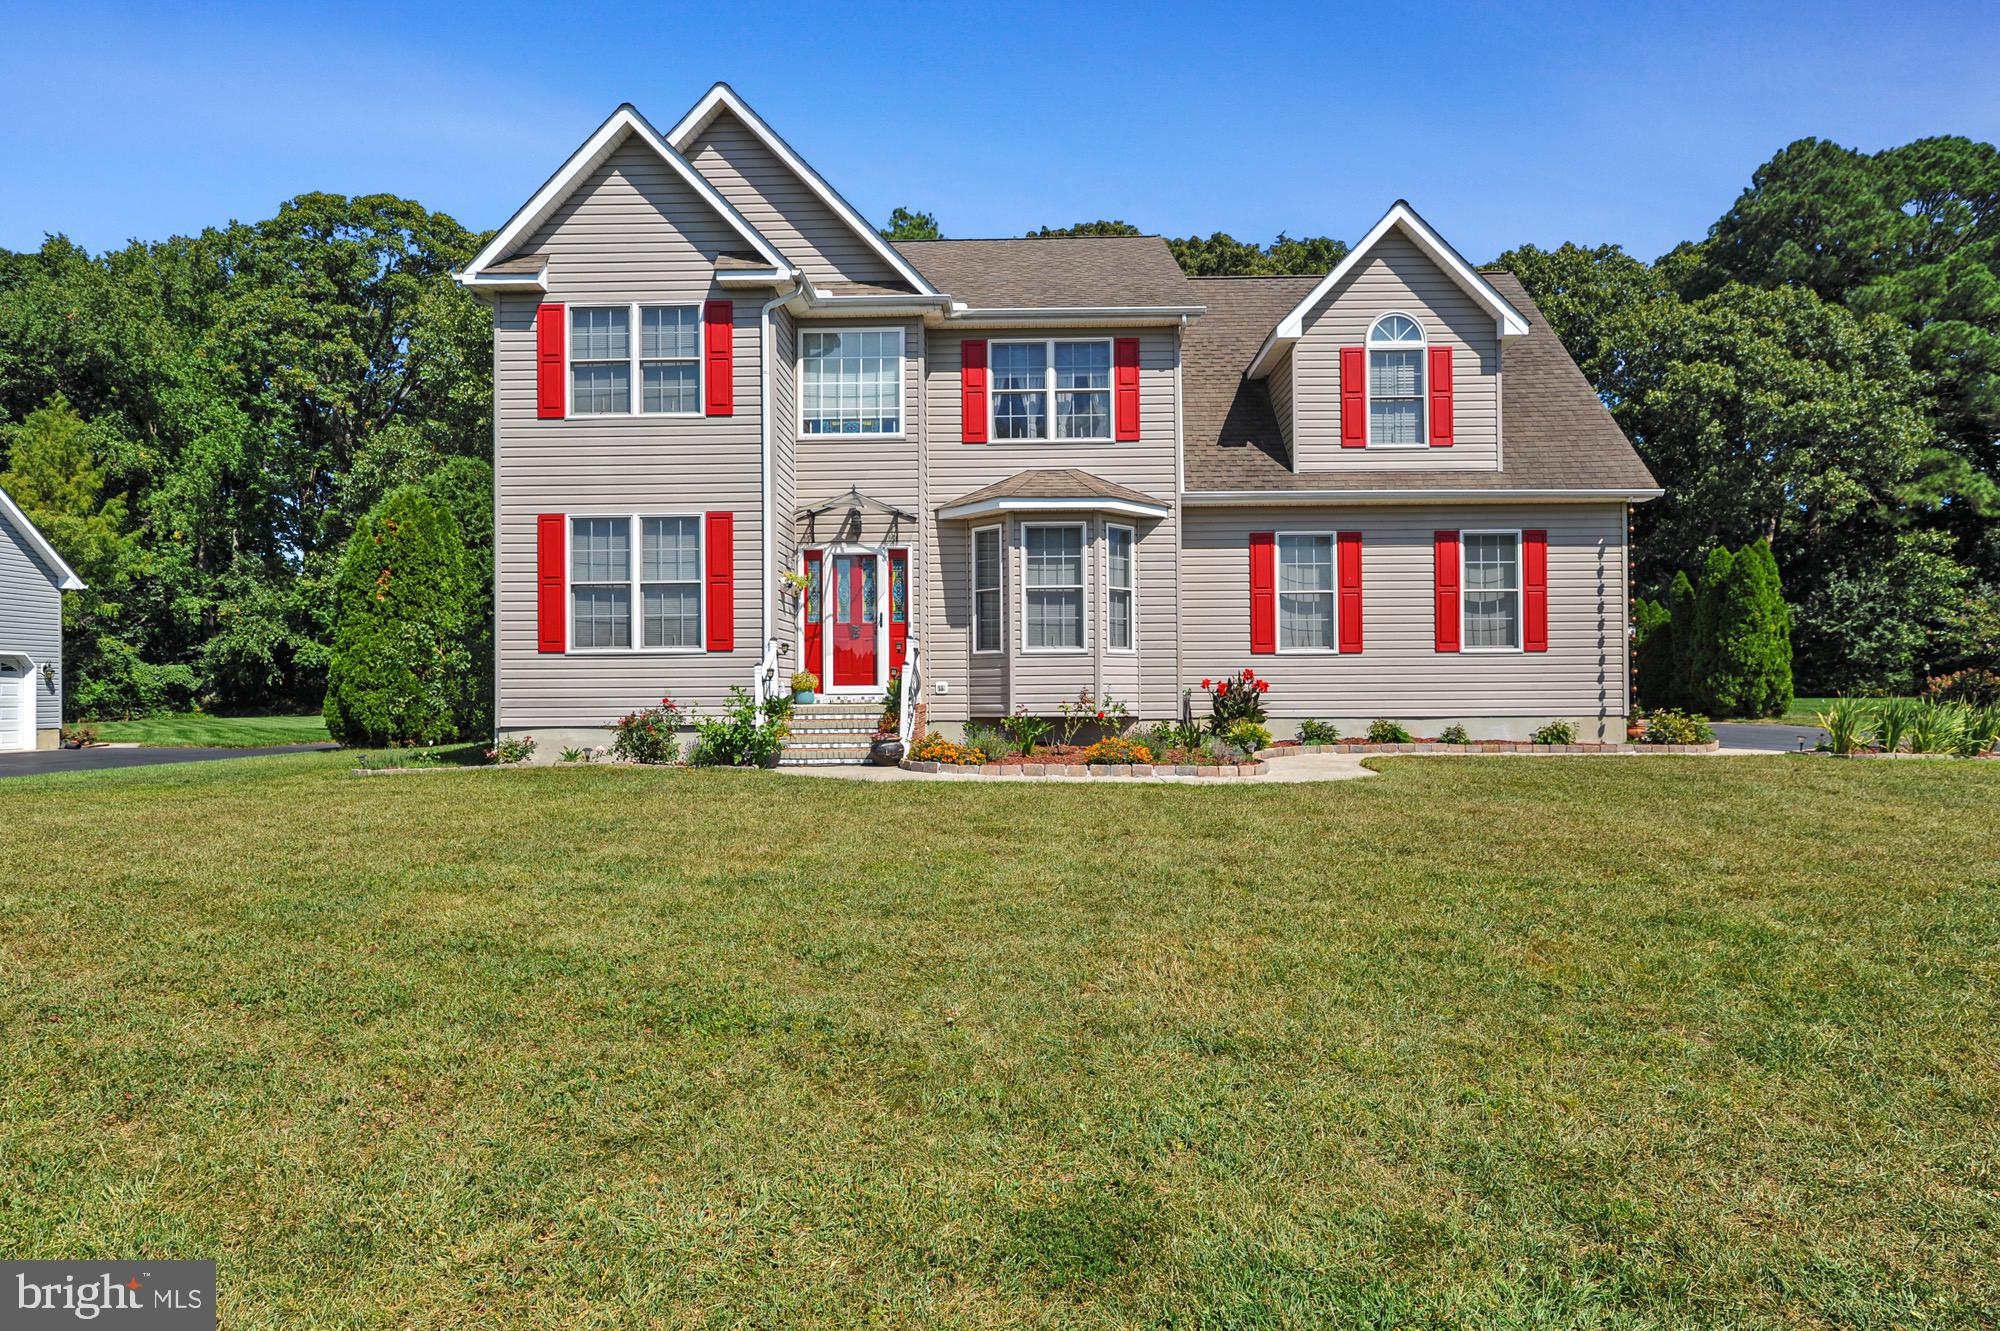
[(1125, 358), (1441, 423), (1535, 591), (1447, 590), (815, 612), (972, 390), (1350, 591), (1263, 592), (549, 369), (1353, 398), (718, 319), (899, 608), (551, 623), (721, 553)]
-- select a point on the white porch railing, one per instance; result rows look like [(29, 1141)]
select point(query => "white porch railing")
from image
[(910, 693)]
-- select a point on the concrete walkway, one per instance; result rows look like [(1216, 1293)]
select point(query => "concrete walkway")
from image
[(1284, 771), (45, 762)]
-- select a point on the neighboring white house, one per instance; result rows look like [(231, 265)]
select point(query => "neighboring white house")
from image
[(33, 578)]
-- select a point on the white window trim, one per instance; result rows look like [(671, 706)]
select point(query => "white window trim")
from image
[(636, 598), (1000, 547), (1132, 589), (635, 392), (1520, 592), (902, 375), (1083, 590), (1423, 381), (1277, 609), (1048, 346)]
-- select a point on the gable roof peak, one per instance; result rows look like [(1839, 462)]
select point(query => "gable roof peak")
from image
[(721, 98), (63, 575)]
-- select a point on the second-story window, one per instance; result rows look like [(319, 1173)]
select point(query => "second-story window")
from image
[(851, 381), (1043, 390), (1396, 382), (611, 373)]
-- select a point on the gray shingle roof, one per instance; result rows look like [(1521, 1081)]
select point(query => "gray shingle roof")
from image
[(1054, 483), (1557, 434), (1054, 271), (520, 263)]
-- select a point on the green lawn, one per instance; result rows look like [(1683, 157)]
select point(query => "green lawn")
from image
[(199, 730), (1802, 712), (1507, 1042)]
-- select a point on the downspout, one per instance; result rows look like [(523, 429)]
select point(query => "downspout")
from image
[(764, 335)]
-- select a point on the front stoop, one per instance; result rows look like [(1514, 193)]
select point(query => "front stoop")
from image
[(830, 733)]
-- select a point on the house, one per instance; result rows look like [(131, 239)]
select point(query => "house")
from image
[(33, 578), (1021, 468)]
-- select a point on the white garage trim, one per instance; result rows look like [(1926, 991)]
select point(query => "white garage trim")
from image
[(17, 702)]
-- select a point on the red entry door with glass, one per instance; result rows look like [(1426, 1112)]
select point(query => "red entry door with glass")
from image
[(853, 596)]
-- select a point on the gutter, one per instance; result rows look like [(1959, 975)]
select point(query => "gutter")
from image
[(1079, 314), (1232, 498), (764, 339)]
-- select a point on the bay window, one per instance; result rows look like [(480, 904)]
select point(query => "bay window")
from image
[(987, 633), (1118, 583), (851, 381), (1052, 587)]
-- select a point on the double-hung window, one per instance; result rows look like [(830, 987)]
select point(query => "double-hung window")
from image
[(1492, 590), (1396, 382), (651, 563), (1052, 587), (612, 373), (1118, 584), (851, 381), (1305, 592), (987, 635), (1043, 390)]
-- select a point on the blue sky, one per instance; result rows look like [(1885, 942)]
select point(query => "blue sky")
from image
[(1501, 123)]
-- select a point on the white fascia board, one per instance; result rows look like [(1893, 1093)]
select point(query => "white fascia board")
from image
[(723, 97), (753, 277), (1401, 217), (626, 120), (982, 507), (1234, 498), (65, 579), (504, 281)]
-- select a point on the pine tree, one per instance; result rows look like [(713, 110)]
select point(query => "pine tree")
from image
[(1714, 681), (1768, 633), (1652, 651), (1681, 604), (400, 669)]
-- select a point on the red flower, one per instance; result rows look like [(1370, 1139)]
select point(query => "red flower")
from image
[(1100, 716), (1263, 686), (1206, 684), (666, 702), (1247, 674)]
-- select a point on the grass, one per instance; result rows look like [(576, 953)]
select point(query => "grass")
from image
[(202, 731), (1802, 712), (1565, 1043)]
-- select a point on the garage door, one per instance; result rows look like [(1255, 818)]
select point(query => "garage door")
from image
[(17, 704)]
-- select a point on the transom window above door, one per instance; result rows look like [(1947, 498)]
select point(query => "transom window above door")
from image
[(612, 373), (1043, 390), (1396, 382), (851, 381)]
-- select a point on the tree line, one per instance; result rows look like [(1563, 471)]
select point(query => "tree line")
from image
[(201, 424)]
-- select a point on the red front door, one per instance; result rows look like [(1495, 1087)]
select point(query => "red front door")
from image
[(853, 595)]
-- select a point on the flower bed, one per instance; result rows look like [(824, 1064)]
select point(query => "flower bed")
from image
[(1067, 767), (1292, 748)]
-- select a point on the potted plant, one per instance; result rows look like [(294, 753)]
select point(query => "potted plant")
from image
[(1636, 726), (804, 684), (885, 750)]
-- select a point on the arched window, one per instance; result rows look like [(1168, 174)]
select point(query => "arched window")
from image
[(1396, 382)]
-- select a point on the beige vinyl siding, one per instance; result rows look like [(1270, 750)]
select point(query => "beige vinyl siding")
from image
[(1279, 385), (785, 607), (31, 621), (783, 208), (1399, 674), (1397, 276), (633, 232), (988, 686)]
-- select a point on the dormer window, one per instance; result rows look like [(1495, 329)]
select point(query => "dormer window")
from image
[(1396, 382)]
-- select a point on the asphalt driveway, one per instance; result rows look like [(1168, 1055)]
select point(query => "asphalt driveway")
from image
[(46, 761), (1759, 737)]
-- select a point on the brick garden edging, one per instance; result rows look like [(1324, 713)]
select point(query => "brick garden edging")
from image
[(1082, 772), (1361, 747)]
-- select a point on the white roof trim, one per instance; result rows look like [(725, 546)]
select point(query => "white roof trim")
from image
[(1022, 504), (65, 578), (723, 97), (1219, 498), (1404, 218), (1029, 316), (626, 120)]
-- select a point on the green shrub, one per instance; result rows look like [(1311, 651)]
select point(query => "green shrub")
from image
[(1670, 725), (1249, 736), (1117, 749), (1454, 734), (118, 685), (650, 736), (1742, 658), (1980, 731), (1026, 731), (1652, 649), (1844, 722), (1318, 732), (511, 749), (1168, 737), (401, 669), (1555, 732), (1892, 723), (1978, 688), (1934, 727), (740, 737), (1387, 732), (987, 739)]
